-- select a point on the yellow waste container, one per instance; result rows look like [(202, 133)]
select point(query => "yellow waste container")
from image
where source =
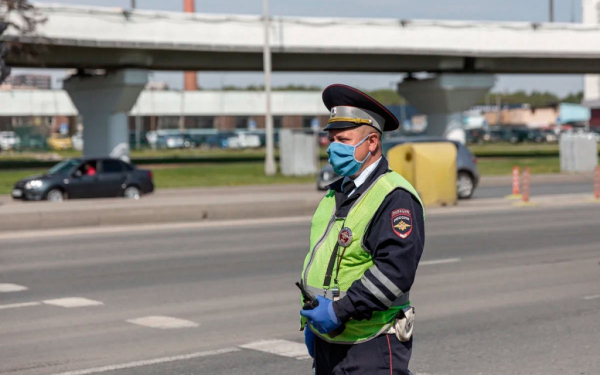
[(430, 168)]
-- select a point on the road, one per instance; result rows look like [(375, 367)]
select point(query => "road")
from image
[(513, 291), (493, 187)]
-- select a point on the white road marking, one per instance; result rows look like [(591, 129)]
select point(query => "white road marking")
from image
[(17, 305), (148, 362), (283, 348), (439, 261), (163, 322), (154, 227), (595, 296), (72, 302), (11, 288)]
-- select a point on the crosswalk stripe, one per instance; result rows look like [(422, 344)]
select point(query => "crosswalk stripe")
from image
[(98, 370), (282, 348), (17, 305), (72, 302), (163, 322), (11, 288)]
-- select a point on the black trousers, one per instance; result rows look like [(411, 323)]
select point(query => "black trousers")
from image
[(383, 355)]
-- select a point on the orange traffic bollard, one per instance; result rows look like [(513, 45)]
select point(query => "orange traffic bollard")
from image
[(526, 184), (516, 184), (515, 180)]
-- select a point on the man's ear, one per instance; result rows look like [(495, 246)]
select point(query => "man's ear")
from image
[(374, 143)]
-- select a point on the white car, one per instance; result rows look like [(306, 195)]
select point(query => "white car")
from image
[(9, 141), (243, 141)]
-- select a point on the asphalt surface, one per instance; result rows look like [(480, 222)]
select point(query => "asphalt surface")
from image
[(511, 291)]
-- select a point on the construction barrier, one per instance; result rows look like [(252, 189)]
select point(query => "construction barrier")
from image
[(430, 168)]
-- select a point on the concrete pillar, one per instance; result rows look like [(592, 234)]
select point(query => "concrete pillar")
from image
[(444, 98), (104, 102)]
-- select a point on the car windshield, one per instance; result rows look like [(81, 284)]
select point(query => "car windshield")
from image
[(63, 167)]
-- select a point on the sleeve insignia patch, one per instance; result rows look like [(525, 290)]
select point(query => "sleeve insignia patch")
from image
[(402, 222)]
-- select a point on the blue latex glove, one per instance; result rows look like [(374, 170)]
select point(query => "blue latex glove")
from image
[(322, 317), (309, 340)]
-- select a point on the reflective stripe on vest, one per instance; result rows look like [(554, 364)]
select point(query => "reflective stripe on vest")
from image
[(356, 259)]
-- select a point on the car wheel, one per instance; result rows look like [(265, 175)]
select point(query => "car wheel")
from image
[(465, 185), (55, 195), (132, 192)]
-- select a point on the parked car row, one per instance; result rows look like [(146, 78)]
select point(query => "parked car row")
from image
[(226, 140), (9, 141), (510, 135)]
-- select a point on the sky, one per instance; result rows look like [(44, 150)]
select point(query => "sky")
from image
[(493, 10)]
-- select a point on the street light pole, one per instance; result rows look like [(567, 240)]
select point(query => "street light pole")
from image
[(270, 167), (132, 4), (551, 10)]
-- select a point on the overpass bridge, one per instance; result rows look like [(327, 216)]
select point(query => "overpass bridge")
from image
[(463, 54), (96, 37)]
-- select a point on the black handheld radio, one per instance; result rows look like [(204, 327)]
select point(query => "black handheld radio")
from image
[(310, 302)]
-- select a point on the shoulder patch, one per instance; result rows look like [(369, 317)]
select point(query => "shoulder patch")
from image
[(402, 222)]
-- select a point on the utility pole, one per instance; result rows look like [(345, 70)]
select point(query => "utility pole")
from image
[(132, 4), (270, 168), (551, 6)]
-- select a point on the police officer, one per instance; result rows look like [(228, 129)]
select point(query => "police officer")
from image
[(366, 240)]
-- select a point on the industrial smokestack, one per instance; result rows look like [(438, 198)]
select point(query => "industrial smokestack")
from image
[(190, 79)]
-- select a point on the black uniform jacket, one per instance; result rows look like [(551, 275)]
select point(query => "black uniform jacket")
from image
[(395, 237)]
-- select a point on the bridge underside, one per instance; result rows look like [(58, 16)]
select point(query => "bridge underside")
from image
[(61, 56)]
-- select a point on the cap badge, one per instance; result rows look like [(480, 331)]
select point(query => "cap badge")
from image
[(333, 112)]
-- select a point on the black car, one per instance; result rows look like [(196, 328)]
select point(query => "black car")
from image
[(511, 135), (86, 178)]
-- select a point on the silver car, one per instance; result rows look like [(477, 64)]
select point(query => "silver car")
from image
[(467, 177)]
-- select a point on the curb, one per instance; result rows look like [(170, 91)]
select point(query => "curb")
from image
[(150, 214), (119, 213)]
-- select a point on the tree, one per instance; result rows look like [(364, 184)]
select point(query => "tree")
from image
[(535, 98), (387, 96), (574, 98), (22, 16)]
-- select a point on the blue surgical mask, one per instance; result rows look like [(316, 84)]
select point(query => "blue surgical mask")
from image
[(342, 159)]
